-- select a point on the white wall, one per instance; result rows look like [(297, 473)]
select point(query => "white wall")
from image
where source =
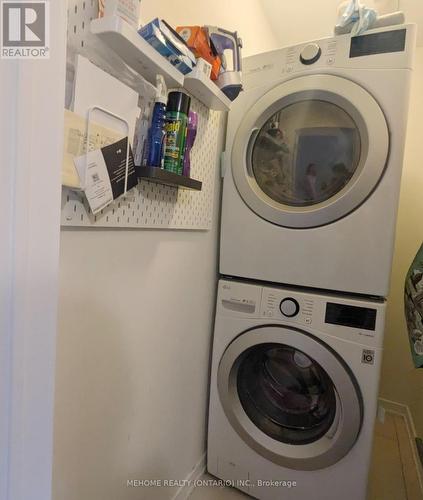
[(31, 151), (135, 325), (401, 382), (245, 16), (297, 22), (8, 105), (136, 314), (135, 330)]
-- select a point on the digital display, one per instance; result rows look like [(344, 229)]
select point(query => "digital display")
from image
[(378, 43), (354, 317)]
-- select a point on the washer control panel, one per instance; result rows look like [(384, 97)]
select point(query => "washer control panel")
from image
[(351, 318), (289, 307)]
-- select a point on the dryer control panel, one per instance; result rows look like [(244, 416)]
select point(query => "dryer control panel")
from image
[(381, 48)]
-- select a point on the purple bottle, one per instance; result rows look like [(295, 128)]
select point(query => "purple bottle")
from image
[(191, 135)]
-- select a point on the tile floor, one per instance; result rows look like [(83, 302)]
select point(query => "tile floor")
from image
[(393, 474)]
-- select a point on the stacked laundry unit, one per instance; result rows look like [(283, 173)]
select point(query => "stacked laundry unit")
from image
[(313, 166)]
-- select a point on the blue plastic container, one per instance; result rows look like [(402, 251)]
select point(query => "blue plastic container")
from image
[(156, 136)]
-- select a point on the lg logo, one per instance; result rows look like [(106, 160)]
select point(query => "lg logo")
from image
[(368, 357), (25, 29)]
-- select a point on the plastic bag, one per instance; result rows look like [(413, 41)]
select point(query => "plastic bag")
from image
[(354, 18)]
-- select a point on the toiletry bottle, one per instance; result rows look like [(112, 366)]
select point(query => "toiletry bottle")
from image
[(156, 133), (191, 135), (176, 131), (141, 137)]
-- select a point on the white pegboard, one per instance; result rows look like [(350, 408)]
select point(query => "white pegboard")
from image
[(152, 205), (80, 15), (149, 205)]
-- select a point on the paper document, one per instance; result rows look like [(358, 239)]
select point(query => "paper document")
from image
[(105, 172), (76, 145)]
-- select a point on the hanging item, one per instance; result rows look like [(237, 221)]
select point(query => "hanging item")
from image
[(227, 45), (414, 308), (355, 18)]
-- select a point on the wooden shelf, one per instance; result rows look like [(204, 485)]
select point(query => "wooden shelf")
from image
[(161, 176), (124, 39)]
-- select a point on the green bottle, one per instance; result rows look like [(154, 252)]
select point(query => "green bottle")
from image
[(177, 111)]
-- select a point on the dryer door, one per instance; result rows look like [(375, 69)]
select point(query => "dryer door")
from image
[(290, 397), (310, 151)]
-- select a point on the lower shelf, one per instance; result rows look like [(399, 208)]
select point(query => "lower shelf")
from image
[(161, 176)]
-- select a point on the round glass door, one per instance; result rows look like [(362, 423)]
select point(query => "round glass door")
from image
[(286, 394), (302, 156), (290, 397), (306, 153)]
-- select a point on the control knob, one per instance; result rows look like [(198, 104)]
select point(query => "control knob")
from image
[(310, 53), (289, 307)]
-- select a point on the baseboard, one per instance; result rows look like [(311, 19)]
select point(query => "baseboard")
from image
[(404, 411), (185, 491)]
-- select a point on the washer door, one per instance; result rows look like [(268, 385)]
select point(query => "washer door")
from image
[(290, 397), (310, 151)]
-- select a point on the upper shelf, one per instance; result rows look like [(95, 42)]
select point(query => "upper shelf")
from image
[(123, 39), (135, 51)]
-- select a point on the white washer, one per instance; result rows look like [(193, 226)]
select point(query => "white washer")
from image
[(294, 388), (313, 163)]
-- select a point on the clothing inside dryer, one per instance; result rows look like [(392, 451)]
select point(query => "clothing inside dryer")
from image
[(306, 153), (286, 394)]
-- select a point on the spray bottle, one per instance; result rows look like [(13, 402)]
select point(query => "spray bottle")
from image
[(154, 146), (141, 136)]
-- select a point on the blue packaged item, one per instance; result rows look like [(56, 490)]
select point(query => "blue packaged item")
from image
[(169, 44)]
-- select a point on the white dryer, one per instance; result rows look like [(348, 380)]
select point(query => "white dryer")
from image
[(294, 388), (313, 163)]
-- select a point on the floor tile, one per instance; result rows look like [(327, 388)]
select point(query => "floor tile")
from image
[(386, 476), (387, 428), (409, 468)]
